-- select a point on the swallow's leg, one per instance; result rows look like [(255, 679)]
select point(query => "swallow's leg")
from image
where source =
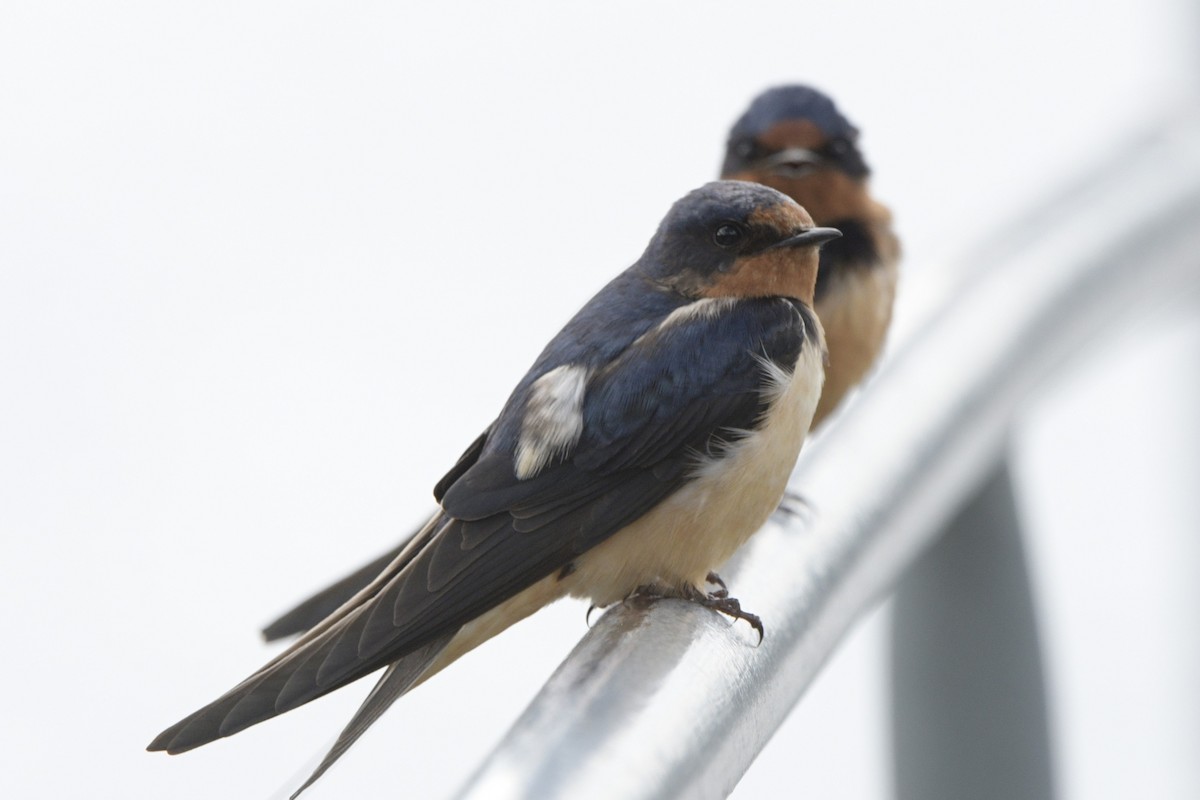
[(651, 591)]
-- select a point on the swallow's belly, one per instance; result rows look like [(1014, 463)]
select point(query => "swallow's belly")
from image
[(699, 527)]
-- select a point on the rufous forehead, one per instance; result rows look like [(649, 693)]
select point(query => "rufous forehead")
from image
[(792, 133), (781, 216)]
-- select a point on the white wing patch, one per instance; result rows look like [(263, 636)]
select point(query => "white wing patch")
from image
[(700, 309), (553, 419)]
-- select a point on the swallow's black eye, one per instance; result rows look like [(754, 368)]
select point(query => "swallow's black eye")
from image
[(727, 235)]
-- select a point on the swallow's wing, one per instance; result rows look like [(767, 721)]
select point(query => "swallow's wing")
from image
[(320, 605), (678, 391), (311, 611)]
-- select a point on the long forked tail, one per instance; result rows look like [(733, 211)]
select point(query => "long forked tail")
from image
[(327, 657), (396, 681)]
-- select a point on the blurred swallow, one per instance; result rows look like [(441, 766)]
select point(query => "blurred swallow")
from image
[(794, 139), (653, 435)]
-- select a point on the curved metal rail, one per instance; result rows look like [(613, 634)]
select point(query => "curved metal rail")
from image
[(671, 700)]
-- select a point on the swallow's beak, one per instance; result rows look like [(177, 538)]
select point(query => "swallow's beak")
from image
[(811, 237), (792, 162)]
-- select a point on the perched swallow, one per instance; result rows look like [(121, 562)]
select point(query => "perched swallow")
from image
[(794, 139), (653, 435)]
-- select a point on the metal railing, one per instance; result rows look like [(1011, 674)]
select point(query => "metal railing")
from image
[(671, 700)]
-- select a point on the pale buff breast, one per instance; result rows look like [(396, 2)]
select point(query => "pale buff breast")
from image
[(855, 314)]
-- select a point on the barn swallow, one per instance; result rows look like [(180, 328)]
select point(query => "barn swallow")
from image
[(794, 139), (652, 436)]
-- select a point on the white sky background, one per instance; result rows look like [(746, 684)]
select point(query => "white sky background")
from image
[(265, 271)]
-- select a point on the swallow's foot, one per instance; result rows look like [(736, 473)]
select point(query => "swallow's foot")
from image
[(718, 600), (729, 606)]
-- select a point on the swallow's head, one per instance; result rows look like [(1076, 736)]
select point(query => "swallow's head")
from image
[(736, 239), (794, 139)]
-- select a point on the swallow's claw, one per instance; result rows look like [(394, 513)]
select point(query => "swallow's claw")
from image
[(729, 606)]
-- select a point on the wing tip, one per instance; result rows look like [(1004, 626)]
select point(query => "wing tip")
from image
[(169, 740), (160, 744)]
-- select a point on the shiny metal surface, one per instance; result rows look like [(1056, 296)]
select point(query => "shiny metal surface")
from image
[(671, 700), (971, 715)]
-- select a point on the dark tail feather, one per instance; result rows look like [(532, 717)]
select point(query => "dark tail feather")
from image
[(396, 681), (329, 599), (323, 659)]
